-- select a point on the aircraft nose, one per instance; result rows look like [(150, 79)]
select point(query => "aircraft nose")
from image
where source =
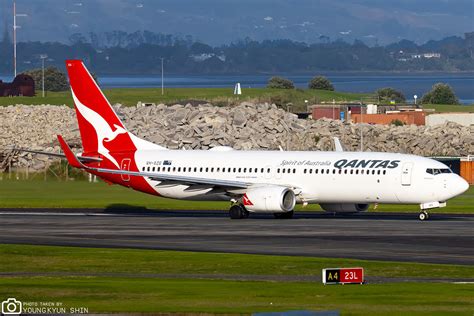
[(460, 186)]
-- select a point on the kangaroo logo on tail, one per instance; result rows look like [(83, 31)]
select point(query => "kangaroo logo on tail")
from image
[(102, 128)]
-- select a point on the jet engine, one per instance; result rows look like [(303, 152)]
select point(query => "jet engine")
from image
[(274, 199), (344, 207)]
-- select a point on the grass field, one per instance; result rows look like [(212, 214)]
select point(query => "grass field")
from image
[(81, 194), (126, 284), (130, 96)]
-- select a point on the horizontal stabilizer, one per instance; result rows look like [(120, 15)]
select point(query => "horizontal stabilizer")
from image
[(46, 153)]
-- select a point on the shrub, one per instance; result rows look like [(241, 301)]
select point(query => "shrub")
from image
[(440, 93), (397, 122), (321, 83), (389, 94), (280, 83)]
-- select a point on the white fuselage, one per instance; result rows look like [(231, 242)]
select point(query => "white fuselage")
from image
[(317, 177)]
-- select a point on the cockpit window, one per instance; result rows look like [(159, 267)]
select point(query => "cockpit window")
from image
[(434, 171)]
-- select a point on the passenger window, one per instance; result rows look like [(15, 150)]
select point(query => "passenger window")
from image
[(179, 169), (357, 171), (384, 172), (352, 171), (345, 171), (268, 170), (261, 170), (316, 171), (283, 170), (294, 170), (378, 171), (143, 168), (310, 171), (278, 170), (333, 171), (207, 169), (362, 171), (373, 171), (327, 171), (218, 169), (340, 171), (304, 171), (245, 170)]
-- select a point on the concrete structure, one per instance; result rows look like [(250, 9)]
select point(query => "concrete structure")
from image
[(22, 85), (409, 118), (466, 119)]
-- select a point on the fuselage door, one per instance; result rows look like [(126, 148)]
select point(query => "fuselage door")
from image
[(125, 166), (406, 173)]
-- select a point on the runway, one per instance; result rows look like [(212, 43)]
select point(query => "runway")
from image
[(398, 237)]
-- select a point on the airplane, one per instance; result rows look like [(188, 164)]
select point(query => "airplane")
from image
[(253, 181)]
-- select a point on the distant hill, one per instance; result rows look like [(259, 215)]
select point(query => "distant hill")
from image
[(141, 52)]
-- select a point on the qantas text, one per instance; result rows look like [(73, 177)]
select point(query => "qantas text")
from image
[(356, 163)]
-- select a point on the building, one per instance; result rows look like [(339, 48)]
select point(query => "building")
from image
[(22, 85), (416, 117)]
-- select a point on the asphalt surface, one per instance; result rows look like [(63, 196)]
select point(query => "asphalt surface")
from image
[(398, 237)]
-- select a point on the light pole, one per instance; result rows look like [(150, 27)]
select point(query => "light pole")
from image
[(162, 77), (14, 36), (361, 132), (43, 57)]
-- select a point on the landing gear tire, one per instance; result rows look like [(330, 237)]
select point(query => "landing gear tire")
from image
[(286, 215), (237, 211), (423, 216)]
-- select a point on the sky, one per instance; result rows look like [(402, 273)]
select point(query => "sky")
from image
[(223, 21)]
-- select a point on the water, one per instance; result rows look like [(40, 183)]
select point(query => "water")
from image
[(409, 84)]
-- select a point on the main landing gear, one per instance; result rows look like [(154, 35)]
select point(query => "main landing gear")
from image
[(238, 211), (423, 216)]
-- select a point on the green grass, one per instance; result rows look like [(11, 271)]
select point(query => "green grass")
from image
[(137, 295), (16, 258), (184, 293), (130, 96), (81, 194), (440, 108), (219, 96)]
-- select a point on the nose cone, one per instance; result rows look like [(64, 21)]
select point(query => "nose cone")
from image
[(460, 186)]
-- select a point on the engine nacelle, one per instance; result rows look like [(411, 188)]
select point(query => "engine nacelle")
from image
[(274, 199), (344, 207)]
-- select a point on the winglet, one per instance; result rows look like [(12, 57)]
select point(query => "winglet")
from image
[(71, 158)]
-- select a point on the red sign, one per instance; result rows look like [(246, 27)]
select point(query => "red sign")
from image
[(352, 275)]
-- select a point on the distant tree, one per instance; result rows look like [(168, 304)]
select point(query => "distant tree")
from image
[(389, 94), (280, 83), (54, 79), (321, 83), (440, 93)]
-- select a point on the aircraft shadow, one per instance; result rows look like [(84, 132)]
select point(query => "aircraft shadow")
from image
[(134, 210)]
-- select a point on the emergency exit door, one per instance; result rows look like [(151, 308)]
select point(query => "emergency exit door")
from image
[(406, 173)]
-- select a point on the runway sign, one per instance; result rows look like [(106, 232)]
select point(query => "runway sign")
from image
[(343, 276)]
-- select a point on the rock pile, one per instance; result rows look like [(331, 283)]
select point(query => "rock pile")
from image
[(247, 126)]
